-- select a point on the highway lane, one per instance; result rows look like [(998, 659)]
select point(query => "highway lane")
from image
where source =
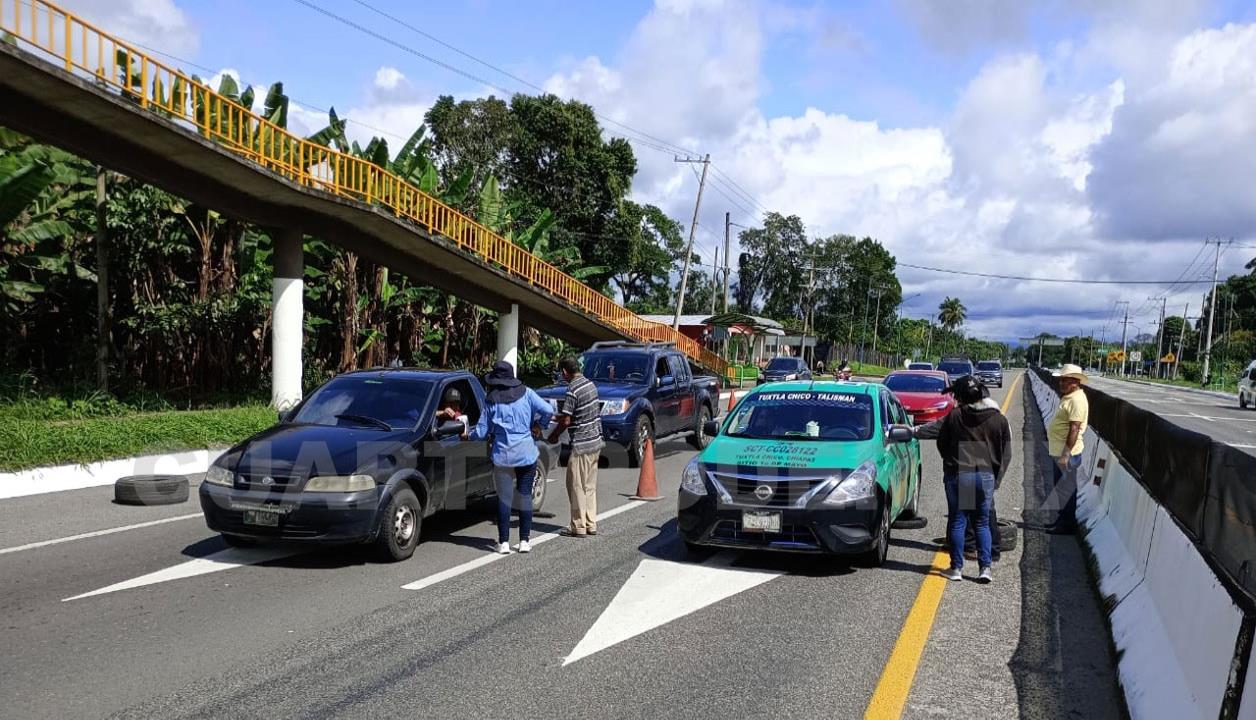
[(331, 634), (1213, 414)]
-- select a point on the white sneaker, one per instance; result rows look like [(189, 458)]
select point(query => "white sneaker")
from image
[(503, 548), (525, 546)]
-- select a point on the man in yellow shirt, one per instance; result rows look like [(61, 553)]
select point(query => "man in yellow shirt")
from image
[(1065, 444)]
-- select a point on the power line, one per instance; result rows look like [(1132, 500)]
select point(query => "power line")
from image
[(1026, 278)]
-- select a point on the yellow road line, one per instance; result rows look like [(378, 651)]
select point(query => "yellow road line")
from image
[(896, 680)]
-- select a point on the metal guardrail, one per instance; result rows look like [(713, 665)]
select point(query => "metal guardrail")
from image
[(82, 48)]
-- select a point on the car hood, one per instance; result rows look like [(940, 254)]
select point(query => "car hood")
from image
[(918, 400), (790, 455), (296, 449), (605, 390)]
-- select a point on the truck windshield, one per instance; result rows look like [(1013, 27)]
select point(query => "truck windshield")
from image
[(988, 366), (956, 368), (616, 367), (367, 401), (904, 382), (783, 364), (803, 415)]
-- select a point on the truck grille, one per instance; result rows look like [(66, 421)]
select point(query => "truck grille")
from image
[(786, 492)]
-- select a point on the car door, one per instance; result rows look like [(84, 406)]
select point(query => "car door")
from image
[(686, 406), (666, 398), (466, 468), (896, 451)]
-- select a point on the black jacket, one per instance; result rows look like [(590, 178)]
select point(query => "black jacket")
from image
[(972, 437)]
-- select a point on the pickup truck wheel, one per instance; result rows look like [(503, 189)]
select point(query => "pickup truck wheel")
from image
[(539, 485), (699, 438), (876, 555), (399, 526), (642, 431)]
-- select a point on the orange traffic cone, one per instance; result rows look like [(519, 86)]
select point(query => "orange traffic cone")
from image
[(732, 400), (647, 486)]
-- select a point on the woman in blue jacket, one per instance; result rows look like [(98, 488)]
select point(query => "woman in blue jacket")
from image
[(512, 421)]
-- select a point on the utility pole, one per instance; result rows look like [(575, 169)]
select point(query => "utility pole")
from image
[(863, 327), (728, 222), (102, 282), (929, 341), (1160, 339), (693, 229), (1181, 341), (876, 324), (1125, 327), (1212, 311), (715, 283)]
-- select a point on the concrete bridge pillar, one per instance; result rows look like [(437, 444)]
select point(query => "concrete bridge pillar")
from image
[(508, 337), (288, 320)]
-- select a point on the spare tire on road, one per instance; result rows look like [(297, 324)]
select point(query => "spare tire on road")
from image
[(151, 490)]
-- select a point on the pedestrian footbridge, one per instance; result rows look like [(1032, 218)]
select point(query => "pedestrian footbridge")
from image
[(73, 85)]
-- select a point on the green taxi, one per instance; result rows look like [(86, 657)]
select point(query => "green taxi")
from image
[(818, 467)]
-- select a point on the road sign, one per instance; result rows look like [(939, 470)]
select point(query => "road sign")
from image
[(1136, 356), (1169, 358)]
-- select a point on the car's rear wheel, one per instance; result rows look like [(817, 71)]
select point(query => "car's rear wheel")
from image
[(399, 526), (699, 439), (642, 431), (876, 556), (1242, 400), (539, 484)]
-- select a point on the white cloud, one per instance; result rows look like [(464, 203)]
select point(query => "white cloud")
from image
[(156, 23)]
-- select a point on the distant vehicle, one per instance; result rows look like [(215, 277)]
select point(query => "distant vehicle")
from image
[(956, 368), (990, 372), (361, 460), (1247, 386), (920, 366), (920, 392), (647, 391), (821, 467), (785, 368)]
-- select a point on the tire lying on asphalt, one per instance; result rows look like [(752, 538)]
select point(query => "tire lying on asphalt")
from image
[(151, 490), (1007, 535)]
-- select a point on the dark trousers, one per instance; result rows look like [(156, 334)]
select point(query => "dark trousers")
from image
[(514, 490), (1064, 490), (969, 497)]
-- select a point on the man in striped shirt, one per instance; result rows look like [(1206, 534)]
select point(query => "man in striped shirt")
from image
[(581, 416)]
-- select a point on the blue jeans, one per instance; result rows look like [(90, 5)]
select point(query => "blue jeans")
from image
[(514, 490), (969, 497), (1064, 490)]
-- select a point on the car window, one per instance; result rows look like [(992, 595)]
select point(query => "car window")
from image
[(989, 366), (470, 407), (616, 366), (908, 382), (920, 366), (956, 368), (783, 364), (806, 415), (679, 367), (396, 401)]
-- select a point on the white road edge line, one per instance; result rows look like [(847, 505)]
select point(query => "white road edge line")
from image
[(97, 533), (467, 567)]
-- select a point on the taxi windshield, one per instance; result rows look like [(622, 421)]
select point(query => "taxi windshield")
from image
[(803, 415)]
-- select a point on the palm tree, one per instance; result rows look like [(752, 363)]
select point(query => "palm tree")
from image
[(951, 313)]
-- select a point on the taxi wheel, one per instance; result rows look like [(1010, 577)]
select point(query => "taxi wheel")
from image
[(700, 439), (399, 526), (912, 511), (881, 541)]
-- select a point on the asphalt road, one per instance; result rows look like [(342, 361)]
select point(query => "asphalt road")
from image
[(162, 620), (1216, 415)]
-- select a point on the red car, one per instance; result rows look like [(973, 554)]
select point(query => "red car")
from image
[(920, 392)]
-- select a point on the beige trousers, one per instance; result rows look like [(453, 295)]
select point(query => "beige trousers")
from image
[(582, 491)]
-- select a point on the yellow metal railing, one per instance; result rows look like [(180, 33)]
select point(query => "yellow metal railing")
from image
[(81, 47)]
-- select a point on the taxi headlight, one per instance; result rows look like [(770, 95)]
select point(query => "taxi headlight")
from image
[(615, 407), (340, 483), (691, 479), (219, 475), (859, 485)]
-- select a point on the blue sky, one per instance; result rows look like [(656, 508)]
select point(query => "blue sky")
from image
[(1061, 138)]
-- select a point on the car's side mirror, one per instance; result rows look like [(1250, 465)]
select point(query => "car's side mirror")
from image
[(448, 429), (711, 427), (900, 434), (666, 380), (286, 415)]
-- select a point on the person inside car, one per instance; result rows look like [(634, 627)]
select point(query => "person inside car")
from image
[(451, 407)]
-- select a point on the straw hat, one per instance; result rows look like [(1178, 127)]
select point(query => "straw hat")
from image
[(1072, 371)]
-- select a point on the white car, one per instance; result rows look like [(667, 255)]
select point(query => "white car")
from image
[(1247, 386)]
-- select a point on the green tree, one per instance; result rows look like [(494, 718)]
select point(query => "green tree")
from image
[(952, 313)]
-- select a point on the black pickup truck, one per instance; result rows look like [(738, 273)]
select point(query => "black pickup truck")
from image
[(646, 391)]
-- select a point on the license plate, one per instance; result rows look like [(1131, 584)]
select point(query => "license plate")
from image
[(761, 522), (261, 517)]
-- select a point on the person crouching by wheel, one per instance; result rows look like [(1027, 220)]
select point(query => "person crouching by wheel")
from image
[(512, 421), (975, 442)]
